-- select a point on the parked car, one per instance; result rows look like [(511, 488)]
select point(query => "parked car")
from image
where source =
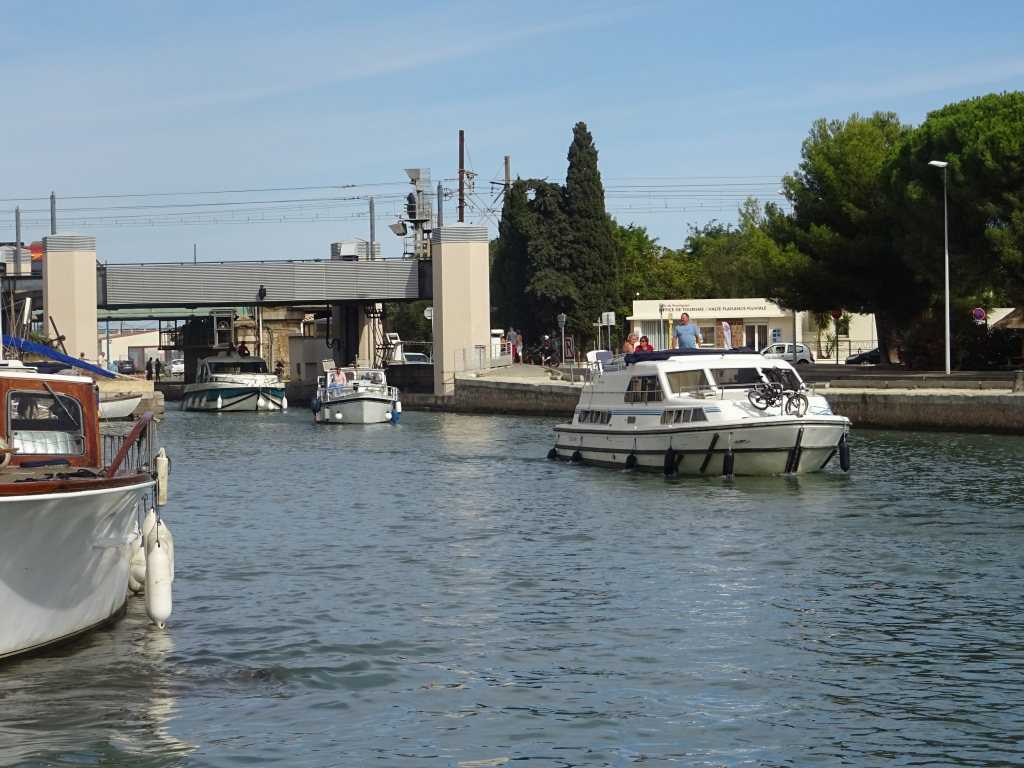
[(177, 367), (871, 357), (785, 352), (415, 357), (126, 367)]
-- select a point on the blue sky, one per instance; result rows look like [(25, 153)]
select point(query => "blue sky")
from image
[(143, 97)]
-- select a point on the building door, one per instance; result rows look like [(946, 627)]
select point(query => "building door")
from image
[(756, 336)]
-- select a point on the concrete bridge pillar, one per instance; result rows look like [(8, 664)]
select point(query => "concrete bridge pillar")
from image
[(462, 297), (69, 291)]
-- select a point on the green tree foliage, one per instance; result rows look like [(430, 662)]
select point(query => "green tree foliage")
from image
[(407, 320), (592, 247), (556, 250), (982, 139), (838, 248)]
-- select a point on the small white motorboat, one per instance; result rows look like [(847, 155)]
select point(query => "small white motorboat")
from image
[(702, 412), (355, 396), (119, 406), (231, 382)]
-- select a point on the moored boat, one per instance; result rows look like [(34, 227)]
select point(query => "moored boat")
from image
[(355, 396), (702, 412), (119, 406), (231, 382), (69, 505)]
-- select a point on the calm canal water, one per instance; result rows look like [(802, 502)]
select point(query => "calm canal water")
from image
[(438, 593)]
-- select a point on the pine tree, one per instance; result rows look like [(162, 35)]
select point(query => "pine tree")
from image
[(591, 247)]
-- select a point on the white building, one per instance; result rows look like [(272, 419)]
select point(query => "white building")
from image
[(754, 323)]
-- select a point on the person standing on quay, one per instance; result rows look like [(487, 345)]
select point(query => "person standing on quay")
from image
[(510, 342), (519, 344), (686, 335), (158, 368), (149, 369)]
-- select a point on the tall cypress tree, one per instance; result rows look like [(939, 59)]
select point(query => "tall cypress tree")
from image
[(511, 269), (552, 287), (591, 248)]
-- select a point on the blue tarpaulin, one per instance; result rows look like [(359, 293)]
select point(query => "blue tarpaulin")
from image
[(39, 349)]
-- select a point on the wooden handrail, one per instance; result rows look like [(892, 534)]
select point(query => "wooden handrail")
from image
[(135, 434)]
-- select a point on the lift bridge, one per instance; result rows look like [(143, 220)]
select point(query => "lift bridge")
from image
[(349, 292)]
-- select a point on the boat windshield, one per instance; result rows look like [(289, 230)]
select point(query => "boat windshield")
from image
[(681, 382), (787, 377), (39, 424), (238, 366), (744, 378), (369, 377)]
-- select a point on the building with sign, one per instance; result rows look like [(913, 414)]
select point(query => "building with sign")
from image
[(729, 323)]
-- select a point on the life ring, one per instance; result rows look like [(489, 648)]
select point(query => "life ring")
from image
[(5, 453)]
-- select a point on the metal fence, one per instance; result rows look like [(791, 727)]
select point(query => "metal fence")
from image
[(139, 444), (847, 347), (480, 358)]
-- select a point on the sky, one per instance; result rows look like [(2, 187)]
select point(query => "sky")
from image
[(700, 103)]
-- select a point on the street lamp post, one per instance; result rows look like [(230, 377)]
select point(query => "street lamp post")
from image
[(945, 215)]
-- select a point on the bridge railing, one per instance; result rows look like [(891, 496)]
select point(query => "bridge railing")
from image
[(480, 358)]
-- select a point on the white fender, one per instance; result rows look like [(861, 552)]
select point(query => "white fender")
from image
[(163, 469), (284, 403), (398, 406), (220, 402), (260, 402), (158, 585), (160, 532), (148, 522), (137, 572)]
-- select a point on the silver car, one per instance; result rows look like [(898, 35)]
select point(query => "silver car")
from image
[(177, 367), (785, 352)]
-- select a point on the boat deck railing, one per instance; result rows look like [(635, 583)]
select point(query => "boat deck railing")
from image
[(132, 452)]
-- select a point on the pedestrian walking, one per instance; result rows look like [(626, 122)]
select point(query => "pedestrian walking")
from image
[(158, 368)]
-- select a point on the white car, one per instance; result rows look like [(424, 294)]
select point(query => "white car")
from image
[(785, 352), (177, 367), (415, 357)]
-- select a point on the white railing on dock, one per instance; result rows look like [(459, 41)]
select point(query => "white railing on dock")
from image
[(479, 358)]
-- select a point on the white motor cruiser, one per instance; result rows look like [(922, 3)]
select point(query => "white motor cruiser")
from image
[(702, 412), (355, 396), (230, 382), (69, 505)]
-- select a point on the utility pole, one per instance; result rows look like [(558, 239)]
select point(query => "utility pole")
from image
[(53, 214), (508, 174), (462, 177), (16, 266), (373, 232), (440, 204)]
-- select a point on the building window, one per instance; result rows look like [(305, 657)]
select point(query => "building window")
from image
[(708, 336)]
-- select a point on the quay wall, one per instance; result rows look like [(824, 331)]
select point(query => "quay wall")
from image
[(954, 411)]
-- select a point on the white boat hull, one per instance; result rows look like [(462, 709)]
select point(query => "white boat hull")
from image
[(121, 408), (760, 447), (64, 561), (233, 399), (357, 409)]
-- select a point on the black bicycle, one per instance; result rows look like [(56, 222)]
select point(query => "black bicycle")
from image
[(772, 395)]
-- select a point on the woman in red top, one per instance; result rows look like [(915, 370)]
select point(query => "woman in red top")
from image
[(644, 345)]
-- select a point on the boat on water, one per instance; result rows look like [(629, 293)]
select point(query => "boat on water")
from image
[(69, 504), (702, 412), (119, 406), (355, 396), (231, 382)]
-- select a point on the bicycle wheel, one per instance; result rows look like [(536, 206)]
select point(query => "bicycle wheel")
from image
[(797, 405), (757, 399)]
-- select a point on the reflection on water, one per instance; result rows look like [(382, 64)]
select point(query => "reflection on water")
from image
[(438, 593)]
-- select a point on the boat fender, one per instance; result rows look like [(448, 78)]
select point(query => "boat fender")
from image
[(553, 453), (5, 457), (160, 534), (284, 403), (576, 456), (844, 455), (158, 584), (631, 461), (260, 402), (728, 462), (315, 405), (147, 524), (394, 417), (220, 402), (137, 572), (670, 461), (398, 406), (163, 469)]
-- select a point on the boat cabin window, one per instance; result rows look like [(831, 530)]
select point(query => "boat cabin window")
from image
[(238, 366), (370, 377), (39, 424), (644, 389), (683, 415), (680, 382), (595, 417), (736, 377)]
